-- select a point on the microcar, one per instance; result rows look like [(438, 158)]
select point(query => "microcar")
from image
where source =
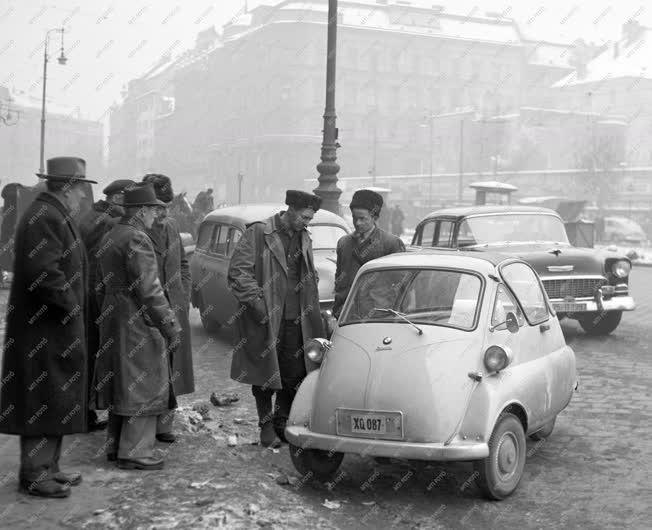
[(438, 356)]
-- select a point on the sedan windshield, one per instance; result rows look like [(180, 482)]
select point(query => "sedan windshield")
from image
[(325, 236), (511, 228), (422, 296)]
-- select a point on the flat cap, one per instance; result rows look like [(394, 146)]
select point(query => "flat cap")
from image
[(162, 186), (368, 200), (118, 186), (302, 199)]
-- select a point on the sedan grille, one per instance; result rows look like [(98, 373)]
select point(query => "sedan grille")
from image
[(573, 287)]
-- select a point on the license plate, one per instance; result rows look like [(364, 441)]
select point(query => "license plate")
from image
[(569, 307), (373, 424)]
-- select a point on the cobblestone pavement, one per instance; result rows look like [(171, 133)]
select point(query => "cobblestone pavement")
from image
[(593, 472)]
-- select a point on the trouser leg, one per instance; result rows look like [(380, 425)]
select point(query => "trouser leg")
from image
[(37, 455), (113, 431), (164, 422), (264, 407), (137, 437), (292, 368)]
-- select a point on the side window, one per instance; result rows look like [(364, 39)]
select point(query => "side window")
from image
[(523, 282), (443, 236), (219, 240), (504, 304), (205, 236), (234, 237), (427, 234)]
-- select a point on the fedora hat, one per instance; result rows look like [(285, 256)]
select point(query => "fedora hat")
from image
[(140, 194), (66, 169)]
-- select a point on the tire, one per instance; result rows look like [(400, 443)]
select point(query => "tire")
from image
[(600, 324), (321, 465), (500, 473), (545, 431)]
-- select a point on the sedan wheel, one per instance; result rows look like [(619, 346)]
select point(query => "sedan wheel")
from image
[(597, 324), (500, 473), (319, 464)]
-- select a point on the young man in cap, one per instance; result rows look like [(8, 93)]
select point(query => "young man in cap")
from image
[(367, 242), (94, 225), (174, 274), (44, 391), (137, 332), (272, 274)]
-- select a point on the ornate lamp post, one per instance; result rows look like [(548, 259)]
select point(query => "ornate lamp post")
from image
[(328, 167), (62, 59)]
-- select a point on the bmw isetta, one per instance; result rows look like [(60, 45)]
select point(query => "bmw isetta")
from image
[(437, 356)]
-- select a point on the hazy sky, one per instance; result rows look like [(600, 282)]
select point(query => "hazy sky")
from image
[(110, 42)]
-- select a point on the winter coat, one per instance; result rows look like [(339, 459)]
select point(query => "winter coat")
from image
[(174, 274), (258, 268), (133, 373), (43, 389), (353, 254)]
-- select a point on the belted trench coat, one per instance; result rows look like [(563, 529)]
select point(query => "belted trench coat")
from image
[(258, 268)]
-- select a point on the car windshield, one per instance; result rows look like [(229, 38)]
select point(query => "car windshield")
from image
[(423, 296), (511, 228), (325, 236)]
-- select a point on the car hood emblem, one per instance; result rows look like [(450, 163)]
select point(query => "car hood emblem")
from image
[(387, 340), (560, 268)]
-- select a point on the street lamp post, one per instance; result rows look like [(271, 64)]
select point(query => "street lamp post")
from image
[(62, 60), (240, 177), (460, 180), (328, 167)]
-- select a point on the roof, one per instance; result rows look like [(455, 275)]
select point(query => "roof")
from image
[(479, 261), (464, 211), (250, 213)]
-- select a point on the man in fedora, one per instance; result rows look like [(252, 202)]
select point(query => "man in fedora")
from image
[(94, 225), (44, 393), (367, 242), (174, 274), (138, 329), (272, 274)]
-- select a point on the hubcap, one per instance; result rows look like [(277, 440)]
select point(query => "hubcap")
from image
[(507, 455)]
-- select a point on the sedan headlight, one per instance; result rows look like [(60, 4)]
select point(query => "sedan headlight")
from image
[(496, 358), (315, 349), (621, 268)]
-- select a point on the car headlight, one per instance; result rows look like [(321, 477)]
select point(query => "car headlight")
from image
[(315, 349), (496, 358), (621, 268)]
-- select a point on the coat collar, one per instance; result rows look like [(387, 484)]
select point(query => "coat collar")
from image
[(53, 200)]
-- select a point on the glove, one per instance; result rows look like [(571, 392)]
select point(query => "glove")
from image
[(259, 310)]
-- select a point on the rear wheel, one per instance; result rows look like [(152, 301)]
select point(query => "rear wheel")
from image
[(545, 431), (500, 473), (320, 464), (597, 324)]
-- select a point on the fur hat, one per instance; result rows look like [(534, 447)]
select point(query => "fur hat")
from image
[(162, 186), (302, 199), (368, 200)]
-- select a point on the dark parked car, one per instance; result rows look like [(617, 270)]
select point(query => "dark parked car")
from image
[(218, 235), (589, 285)]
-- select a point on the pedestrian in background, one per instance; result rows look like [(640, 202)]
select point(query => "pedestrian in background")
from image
[(44, 391), (174, 274), (367, 242), (137, 330), (272, 274), (94, 225), (396, 220)]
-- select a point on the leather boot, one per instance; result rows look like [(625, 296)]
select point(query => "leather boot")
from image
[(46, 488), (72, 479), (268, 436)]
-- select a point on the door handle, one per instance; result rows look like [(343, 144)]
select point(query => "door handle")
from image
[(544, 327)]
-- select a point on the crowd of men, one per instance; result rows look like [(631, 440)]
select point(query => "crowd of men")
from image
[(97, 317)]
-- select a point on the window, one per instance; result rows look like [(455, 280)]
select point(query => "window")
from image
[(219, 243), (234, 237), (504, 304), (444, 233), (205, 236), (524, 283), (427, 234)]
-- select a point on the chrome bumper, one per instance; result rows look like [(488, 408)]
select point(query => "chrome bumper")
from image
[(616, 303), (458, 450)]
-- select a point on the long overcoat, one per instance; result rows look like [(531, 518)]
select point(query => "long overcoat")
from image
[(44, 367), (174, 273), (132, 373), (258, 267)]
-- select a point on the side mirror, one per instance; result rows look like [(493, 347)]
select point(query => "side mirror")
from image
[(511, 322)]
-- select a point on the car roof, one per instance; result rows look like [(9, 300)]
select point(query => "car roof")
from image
[(480, 261), (464, 211), (249, 213)]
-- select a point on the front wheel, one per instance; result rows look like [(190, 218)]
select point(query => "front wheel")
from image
[(500, 473), (320, 464), (597, 324)]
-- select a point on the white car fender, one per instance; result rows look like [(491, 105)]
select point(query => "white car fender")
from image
[(302, 404)]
